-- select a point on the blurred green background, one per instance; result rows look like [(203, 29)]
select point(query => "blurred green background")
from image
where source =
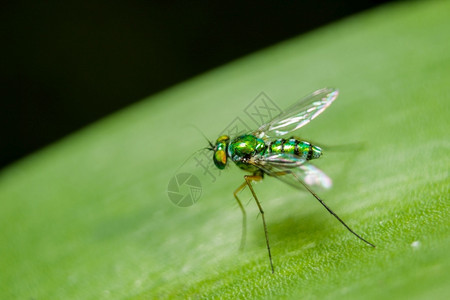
[(89, 217)]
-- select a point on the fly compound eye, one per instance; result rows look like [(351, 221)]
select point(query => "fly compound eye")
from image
[(220, 152), (220, 159)]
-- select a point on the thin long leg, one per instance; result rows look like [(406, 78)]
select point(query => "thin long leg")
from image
[(329, 210), (248, 180), (244, 216)]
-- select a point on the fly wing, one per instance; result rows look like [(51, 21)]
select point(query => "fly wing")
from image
[(290, 168), (299, 114)]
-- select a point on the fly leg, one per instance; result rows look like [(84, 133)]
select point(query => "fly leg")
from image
[(244, 216), (326, 206), (248, 180)]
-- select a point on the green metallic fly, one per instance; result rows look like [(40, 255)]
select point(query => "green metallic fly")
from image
[(265, 152)]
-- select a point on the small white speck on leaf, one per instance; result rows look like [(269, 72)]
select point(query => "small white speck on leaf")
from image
[(415, 245), (138, 283)]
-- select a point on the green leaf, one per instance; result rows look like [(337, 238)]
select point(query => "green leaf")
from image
[(89, 217)]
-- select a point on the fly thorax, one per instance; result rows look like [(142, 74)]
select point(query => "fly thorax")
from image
[(245, 147), (295, 146)]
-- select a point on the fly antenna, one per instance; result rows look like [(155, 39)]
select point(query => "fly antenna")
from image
[(211, 145)]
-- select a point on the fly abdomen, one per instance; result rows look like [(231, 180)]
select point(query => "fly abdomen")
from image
[(294, 146)]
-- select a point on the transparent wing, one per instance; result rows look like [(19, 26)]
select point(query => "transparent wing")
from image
[(299, 114), (290, 168)]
